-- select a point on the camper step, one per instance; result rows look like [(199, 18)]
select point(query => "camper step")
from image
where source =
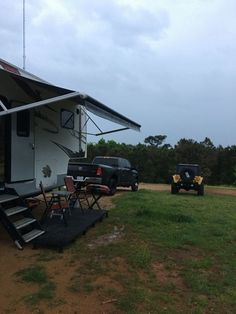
[(7, 197), (32, 235), (15, 210), (23, 222)]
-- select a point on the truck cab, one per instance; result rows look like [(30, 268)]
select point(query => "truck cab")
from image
[(107, 170)]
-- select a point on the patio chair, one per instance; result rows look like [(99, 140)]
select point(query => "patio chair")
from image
[(97, 191), (56, 204), (77, 193)]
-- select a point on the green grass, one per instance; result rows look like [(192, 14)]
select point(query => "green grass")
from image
[(37, 275), (44, 293), (194, 238), (177, 255)]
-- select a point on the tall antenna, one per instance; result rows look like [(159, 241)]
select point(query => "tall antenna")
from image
[(24, 56)]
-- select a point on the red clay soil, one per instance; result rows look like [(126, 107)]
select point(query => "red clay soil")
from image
[(62, 269)]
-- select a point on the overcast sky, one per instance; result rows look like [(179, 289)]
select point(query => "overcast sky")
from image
[(169, 65)]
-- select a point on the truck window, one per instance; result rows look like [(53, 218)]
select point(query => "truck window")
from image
[(128, 165), (122, 163), (125, 163), (113, 162)]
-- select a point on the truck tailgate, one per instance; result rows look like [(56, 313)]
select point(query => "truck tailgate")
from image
[(82, 171)]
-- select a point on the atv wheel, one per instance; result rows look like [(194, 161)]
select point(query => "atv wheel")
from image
[(200, 191), (174, 189)]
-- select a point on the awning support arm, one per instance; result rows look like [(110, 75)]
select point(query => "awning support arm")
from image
[(97, 134), (101, 132), (3, 107), (40, 103), (112, 131), (89, 118)]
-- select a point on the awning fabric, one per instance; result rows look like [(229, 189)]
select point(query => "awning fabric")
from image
[(20, 90)]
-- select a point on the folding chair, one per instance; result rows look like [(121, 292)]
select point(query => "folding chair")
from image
[(97, 191), (76, 193), (56, 205)]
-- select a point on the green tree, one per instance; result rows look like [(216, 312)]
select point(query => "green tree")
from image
[(155, 140), (157, 161)]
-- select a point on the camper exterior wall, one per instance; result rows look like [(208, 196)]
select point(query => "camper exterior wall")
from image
[(2, 151), (57, 138), (56, 134)]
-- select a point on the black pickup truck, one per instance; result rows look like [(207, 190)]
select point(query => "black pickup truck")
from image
[(110, 171)]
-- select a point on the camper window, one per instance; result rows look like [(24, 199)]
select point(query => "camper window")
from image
[(23, 123), (67, 119)]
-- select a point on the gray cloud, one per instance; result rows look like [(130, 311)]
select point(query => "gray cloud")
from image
[(169, 65)]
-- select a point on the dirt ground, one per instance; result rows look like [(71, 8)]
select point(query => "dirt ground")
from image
[(12, 291), (208, 190)]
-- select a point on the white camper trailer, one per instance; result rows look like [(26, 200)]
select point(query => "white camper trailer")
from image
[(42, 126)]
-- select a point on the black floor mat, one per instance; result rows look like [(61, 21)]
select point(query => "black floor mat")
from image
[(58, 235)]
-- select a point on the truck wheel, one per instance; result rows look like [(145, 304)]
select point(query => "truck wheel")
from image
[(113, 186), (174, 189), (134, 186), (200, 191)]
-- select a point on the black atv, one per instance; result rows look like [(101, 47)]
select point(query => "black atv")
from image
[(187, 177)]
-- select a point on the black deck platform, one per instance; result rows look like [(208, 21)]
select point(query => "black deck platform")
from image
[(58, 235)]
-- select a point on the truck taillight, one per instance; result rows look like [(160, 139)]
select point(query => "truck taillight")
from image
[(99, 171)]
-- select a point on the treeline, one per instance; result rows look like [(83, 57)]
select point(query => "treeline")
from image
[(156, 160)]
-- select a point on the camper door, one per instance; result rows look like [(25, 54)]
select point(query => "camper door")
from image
[(22, 146)]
